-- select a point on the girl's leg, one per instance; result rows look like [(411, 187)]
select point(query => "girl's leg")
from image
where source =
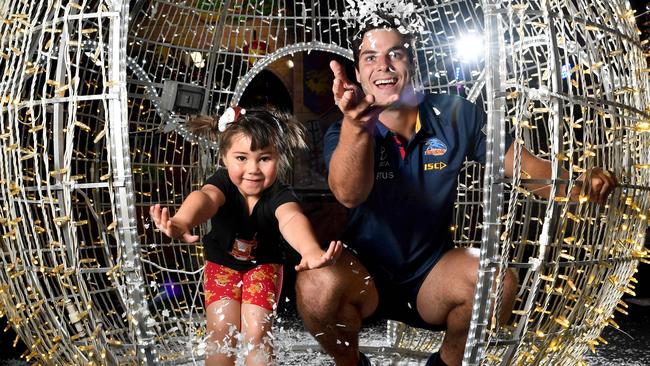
[(256, 342), (222, 287), (260, 296), (223, 324)]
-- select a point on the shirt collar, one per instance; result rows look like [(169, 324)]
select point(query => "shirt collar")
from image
[(421, 128), (427, 114), (381, 129)]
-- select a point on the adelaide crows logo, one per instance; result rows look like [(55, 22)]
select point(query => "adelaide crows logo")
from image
[(435, 147)]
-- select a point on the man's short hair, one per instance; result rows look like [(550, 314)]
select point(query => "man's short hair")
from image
[(386, 22)]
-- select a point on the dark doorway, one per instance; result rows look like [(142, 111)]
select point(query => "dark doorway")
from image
[(267, 89)]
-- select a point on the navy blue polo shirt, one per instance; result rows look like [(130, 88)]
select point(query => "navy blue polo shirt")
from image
[(402, 229)]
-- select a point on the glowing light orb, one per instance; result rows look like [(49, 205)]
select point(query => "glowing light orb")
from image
[(470, 47)]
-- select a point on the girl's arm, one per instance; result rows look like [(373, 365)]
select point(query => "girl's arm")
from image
[(197, 208), (297, 231)]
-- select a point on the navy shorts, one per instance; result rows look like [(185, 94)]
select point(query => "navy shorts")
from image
[(398, 301)]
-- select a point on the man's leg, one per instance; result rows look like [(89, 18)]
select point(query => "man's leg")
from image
[(333, 301), (447, 295)]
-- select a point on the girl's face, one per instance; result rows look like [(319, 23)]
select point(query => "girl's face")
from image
[(251, 171)]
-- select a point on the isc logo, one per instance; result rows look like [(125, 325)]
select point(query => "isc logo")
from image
[(435, 166)]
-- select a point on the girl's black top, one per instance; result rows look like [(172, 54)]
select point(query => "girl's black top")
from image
[(258, 230)]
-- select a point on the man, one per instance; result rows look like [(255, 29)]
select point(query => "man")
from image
[(394, 160)]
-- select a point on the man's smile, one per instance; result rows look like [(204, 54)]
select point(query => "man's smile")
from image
[(381, 83)]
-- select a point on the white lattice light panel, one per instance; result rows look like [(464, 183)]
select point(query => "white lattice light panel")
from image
[(87, 144)]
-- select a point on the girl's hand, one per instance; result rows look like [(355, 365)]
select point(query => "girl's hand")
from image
[(169, 226), (319, 259)]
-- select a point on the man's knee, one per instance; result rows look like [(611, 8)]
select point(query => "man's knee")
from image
[(510, 286), (317, 293)]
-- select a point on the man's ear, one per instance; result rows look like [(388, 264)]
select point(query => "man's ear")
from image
[(357, 75)]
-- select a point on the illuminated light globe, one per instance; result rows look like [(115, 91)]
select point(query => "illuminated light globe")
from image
[(89, 140)]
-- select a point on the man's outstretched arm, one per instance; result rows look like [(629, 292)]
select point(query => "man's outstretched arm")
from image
[(351, 169), (596, 183), (352, 166)]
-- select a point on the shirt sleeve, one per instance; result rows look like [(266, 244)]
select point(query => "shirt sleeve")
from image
[(331, 140), (479, 130), (282, 194), (221, 180)]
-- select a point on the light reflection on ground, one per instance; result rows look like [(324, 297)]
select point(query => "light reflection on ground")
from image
[(629, 347), (295, 346)]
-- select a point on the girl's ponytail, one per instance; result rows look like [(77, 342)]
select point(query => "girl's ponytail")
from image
[(204, 126), (264, 126)]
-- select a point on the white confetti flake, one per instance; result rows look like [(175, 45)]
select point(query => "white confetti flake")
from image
[(408, 20), (151, 322), (200, 348)]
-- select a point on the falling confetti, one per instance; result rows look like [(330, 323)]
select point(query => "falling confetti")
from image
[(407, 18)]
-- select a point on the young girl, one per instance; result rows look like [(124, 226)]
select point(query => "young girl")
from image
[(250, 211)]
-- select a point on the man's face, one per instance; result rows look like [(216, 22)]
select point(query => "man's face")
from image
[(384, 65)]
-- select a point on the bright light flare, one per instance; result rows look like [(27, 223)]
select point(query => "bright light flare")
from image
[(470, 47)]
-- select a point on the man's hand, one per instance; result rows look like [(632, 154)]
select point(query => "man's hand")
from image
[(357, 107), (169, 226), (342, 84), (318, 259), (595, 184)]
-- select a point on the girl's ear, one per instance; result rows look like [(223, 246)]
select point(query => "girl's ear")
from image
[(222, 160)]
